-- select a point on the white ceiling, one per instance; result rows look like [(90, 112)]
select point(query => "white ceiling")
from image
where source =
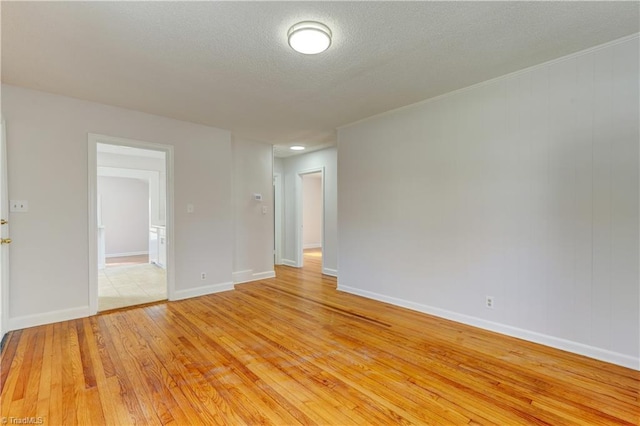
[(228, 65)]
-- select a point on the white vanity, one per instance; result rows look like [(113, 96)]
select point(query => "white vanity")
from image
[(158, 245)]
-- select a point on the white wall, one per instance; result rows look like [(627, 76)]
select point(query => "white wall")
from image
[(252, 174), (278, 165), (136, 166), (125, 214), (312, 210), (326, 158), (47, 154), (524, 188)]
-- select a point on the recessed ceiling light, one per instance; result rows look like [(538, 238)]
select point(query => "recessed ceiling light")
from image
[(297, 148), (309, 37)]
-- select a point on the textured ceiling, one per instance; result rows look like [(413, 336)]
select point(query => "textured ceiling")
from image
[(228, 65)]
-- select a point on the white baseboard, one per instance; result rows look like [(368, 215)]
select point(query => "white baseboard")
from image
[(26, 321), (255, 277), (532, 336), (332, 272), (131, 253), (242, 276), (202, 291), (312, 245), (264, 275), (288, 262)]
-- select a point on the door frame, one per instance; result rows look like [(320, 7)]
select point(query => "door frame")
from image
[(277, 216), (299, 211), (92, 160), (4, 212)]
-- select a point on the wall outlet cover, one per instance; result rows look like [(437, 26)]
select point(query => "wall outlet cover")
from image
[(18, 206)]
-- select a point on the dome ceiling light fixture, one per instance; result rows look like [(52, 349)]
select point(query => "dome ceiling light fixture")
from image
[(309, 37)]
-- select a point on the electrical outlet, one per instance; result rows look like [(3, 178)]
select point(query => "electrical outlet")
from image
[(489, 302), (18, 206), (203, 276)]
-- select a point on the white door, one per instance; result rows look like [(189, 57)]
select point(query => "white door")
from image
[(4, 234)]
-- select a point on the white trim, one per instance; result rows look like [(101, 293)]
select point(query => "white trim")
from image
[(531, 336), (264, 275), (4, 291), (289, 262), (201, 291), (312, 245), (278, 216), (92, 240), (242, 276), (331, 272), (26, 321), (92, 164), (131, 253), (497, 79), (299, 262), (255, 277)]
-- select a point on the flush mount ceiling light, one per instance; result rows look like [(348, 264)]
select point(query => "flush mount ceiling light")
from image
[(309, 37), (297, 148)]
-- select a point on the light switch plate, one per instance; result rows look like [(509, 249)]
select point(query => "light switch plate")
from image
[(18, 206), (190, 208)]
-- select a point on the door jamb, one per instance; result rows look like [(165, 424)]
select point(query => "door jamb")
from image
[(278, 216), (4, 321)]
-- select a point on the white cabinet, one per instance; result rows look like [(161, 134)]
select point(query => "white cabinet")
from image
[(153, 245), (158, 246), (101, 248), (162, 247)]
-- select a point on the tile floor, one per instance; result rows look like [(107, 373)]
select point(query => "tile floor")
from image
[(130, 285)]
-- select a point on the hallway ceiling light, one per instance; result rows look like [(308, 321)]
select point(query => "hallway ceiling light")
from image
[(309, 37), (297, 148)]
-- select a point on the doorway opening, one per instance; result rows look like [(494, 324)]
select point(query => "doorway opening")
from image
[(130, 212), (310, 197)]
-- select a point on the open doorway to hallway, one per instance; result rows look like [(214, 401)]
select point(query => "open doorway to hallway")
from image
[(312, 210), (131, 218)]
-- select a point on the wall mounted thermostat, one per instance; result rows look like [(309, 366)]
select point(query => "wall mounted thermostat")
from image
[(257, 197)]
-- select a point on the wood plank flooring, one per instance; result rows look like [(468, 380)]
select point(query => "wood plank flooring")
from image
[(112, 262), (293, 350)]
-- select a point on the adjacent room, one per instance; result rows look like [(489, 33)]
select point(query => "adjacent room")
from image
[(131, 211), (336, 213)]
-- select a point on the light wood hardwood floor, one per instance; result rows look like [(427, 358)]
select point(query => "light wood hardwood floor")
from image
[(293, 350)]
